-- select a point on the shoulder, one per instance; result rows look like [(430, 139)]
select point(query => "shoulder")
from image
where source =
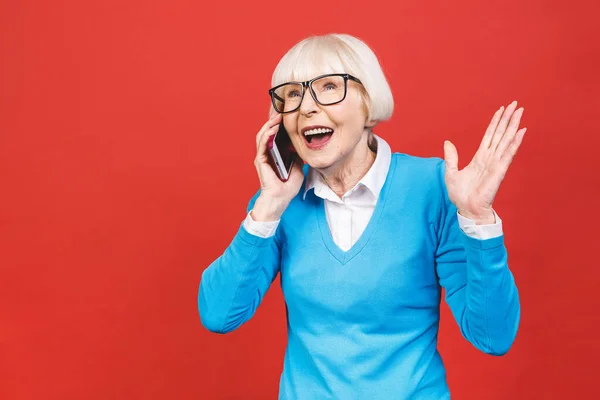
[(418, 170), (419, 182)]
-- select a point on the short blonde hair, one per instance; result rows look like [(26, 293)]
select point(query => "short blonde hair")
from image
[(339, 53)]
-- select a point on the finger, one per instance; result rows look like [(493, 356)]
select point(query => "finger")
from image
[(274, 120), (509, 135), (261, 151), (489, 132), (265, 133), (450, 156), (503, 124), (509, 156)]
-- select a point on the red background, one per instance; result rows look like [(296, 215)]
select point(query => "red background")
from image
[(126, 146)]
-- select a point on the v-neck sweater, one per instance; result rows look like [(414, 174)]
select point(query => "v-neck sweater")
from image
[(363, 323)]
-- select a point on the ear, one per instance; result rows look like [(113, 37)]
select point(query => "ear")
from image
[(371, 124)]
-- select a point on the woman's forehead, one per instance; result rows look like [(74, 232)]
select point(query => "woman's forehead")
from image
[(311, 66), (309, 74)]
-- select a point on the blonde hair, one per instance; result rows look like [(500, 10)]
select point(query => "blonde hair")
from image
[(339, 53)]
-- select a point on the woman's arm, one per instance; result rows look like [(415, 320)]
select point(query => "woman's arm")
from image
[(233, 286), (480, 289)]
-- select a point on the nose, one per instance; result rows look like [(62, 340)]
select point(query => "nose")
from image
[(308, 105)]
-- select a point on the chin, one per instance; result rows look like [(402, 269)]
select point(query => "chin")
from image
[(322, 159), (320, 162)]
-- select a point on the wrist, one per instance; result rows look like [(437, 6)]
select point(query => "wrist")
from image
[(267, 209), (482, 217)]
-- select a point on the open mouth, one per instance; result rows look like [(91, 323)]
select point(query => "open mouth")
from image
[(317, 137)]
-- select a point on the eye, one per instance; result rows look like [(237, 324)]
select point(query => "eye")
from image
[(325, 85), (292, 94)]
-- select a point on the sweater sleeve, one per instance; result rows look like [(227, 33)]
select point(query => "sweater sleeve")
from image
[(480, 288), (233, 286)]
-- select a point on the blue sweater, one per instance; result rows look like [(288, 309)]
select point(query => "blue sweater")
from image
[(363, 324)]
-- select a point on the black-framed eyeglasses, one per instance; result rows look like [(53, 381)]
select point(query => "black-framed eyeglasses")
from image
[(326, 90)]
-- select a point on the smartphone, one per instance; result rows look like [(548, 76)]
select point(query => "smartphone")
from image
[(281, 153)]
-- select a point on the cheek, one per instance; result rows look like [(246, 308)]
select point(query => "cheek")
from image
[(291, 128), (290, 125), (352, 126), (350, 117)]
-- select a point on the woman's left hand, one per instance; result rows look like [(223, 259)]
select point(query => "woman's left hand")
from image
[(473, 189)]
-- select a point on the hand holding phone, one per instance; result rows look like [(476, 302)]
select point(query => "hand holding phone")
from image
[(281, 153), (277, 188)]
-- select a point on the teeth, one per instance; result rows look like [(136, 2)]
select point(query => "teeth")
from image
[(318, 131)]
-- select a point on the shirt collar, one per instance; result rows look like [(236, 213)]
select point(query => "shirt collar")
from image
[(373, 180)]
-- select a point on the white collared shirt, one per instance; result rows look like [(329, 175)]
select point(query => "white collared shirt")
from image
[(348, 217)]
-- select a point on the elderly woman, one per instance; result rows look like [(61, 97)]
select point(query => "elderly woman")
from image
[(365, 239)]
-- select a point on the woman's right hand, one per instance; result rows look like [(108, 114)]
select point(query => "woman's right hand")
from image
[(275, 195)]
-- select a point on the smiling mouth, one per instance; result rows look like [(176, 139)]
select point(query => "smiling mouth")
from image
[(317, 137)]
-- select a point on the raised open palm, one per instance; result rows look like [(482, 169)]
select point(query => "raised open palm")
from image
[(473, 189)]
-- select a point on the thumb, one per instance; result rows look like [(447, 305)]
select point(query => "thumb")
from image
[(450, 156)]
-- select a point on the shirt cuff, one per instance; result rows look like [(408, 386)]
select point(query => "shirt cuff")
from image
[(481, 232), (261, 229)]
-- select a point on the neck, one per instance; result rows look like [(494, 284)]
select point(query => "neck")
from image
[(345, 174)]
